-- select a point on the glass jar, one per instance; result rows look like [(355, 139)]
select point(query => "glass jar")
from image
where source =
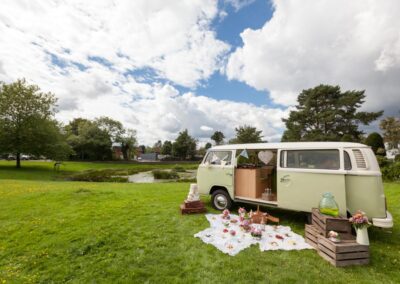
[(328, 205)]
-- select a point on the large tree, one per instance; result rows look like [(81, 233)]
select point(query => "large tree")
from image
[(118, 134), (246, 134), (375, 141), (88, 140), (184, 146), (27, 123), (166, 148), (218, 137), (391, 131), (114, 128), (128, 143), (324, 113)]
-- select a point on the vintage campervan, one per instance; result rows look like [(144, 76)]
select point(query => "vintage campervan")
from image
[(294, 176)]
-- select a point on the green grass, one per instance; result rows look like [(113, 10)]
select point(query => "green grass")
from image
[(81, 232), (40, 170)]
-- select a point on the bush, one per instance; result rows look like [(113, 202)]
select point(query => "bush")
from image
[(381, 152), (158, 174), (107, 175), (397, 158), (383, 161), (179, 169), (391, 172)]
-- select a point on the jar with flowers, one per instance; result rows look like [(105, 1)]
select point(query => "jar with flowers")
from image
[(360, 223)]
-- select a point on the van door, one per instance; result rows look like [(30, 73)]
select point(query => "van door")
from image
[(217, 169), (304, 175)]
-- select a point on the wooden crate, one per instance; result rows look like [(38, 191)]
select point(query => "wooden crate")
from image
[(311, 235), (325, 223), (192, 207), (344, 253), (194, 204)]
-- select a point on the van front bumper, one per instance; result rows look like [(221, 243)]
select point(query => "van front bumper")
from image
[(383, 222)]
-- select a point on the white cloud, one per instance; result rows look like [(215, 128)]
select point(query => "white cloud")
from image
[(354, 44), (162, 114), (206, 128), (173, 37), (81, 51), (239, 4)]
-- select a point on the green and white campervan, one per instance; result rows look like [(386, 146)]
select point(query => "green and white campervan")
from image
[(294, 176)]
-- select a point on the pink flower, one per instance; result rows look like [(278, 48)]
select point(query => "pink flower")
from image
[(225, 230), (241, 210), (232, 232), (359, 220)]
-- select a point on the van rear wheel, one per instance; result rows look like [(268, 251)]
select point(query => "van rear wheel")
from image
[(221, 200)]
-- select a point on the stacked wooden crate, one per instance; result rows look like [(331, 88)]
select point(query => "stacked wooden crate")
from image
[(189, 207), (346, 252), (324, 224)]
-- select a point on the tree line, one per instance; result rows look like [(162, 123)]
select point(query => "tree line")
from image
[(27, 125)]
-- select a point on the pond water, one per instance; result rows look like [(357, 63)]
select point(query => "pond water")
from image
[(147, 177)]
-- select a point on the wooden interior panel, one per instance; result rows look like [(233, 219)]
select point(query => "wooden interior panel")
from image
[(252, 182)]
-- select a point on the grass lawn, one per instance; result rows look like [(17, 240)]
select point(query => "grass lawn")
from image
[(52, 231), (43, 170)]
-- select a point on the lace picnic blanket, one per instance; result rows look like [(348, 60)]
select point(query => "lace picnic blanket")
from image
[(273, 237)]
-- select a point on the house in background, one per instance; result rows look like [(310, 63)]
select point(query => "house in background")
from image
[(152, 157), (393, 152), (117, 151)]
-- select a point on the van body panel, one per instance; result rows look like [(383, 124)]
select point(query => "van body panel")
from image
[(365, 193), (213, 175), (302, 190)]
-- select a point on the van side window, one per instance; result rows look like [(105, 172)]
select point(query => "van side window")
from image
[(219, 158), (313, 159), (347, 161)]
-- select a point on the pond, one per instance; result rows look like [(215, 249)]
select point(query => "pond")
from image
[(147, 177)]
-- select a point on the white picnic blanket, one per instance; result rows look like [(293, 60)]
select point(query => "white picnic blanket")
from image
[(273, 237)]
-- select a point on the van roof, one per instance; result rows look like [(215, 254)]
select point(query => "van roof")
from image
[(291, 145)]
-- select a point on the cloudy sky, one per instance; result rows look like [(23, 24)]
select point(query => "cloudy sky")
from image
[(162, 66)]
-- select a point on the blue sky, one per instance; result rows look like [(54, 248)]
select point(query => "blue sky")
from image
[(161, 67)]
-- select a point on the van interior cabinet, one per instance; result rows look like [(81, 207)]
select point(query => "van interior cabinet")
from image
[(252, 183)]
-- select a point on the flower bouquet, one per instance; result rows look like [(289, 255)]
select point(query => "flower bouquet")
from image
[(246, 225), (334, 236), (360, 223), (225, 214), (242, 213), (359, 220), (256, 233)]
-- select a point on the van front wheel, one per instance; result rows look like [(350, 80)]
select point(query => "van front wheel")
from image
[(221, 200)]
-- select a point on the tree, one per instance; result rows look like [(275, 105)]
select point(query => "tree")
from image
[(375, 141), (114, 128), (88, 140), (166, 148), (208, 145), (27, 123), (391, 131), (324, 113), (246, 134), (142, 149), (218, 137), (157, 147), (128, 143), (184, 146)]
